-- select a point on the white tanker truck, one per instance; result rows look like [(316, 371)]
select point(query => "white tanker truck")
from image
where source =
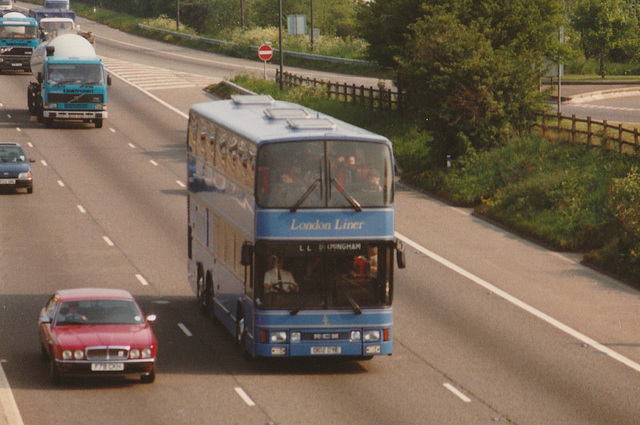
[(71, 82)]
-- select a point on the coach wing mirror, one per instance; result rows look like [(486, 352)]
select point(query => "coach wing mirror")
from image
[(400, 255), (108, 79), (247, 254)]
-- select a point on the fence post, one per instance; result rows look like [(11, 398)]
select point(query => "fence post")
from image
[(559, 130), (605, 136), (544, 123), (573, 128), (589, 131), (635, 140), (620, 141)]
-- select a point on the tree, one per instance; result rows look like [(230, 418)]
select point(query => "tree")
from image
[(603, 25), (470, 69)]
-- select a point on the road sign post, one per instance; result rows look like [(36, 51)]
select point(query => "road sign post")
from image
[(265, 52)]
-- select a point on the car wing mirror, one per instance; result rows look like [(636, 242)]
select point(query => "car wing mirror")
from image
[(45, 319)]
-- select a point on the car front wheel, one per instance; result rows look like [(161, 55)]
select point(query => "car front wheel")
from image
[(54, 374), (150, 378)]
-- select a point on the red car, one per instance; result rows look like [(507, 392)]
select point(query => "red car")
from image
[(97, 332)]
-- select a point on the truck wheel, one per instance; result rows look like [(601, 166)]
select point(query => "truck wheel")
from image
[(98, 122)]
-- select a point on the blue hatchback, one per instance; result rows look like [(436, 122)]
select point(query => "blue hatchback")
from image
[(15, 171)]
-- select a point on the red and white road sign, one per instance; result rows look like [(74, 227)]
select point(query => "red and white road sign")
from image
[(265, 52)]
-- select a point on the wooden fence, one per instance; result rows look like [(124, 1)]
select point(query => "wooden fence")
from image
[(374, 98), (593, 133)]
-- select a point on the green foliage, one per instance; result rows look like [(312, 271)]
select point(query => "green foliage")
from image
[(606, 28), (554, 193), (326, 45)]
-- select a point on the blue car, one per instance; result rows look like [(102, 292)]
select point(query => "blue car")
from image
[(15, 170)]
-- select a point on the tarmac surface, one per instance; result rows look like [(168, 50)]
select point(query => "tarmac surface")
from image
[(570, 91)]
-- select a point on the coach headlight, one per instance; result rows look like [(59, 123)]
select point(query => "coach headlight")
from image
[(295, 337), (371, 336), (278, 337)]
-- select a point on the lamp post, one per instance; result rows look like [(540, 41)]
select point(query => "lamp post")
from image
[(311, 23), (280, 41), (177, 15)]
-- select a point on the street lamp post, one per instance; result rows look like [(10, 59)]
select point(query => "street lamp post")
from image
[(177, 15), (311, 23), (280, 41)]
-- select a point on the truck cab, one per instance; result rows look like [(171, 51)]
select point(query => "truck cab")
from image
[(18, 39), (5, 6)]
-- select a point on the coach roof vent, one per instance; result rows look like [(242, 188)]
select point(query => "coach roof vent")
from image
[(311, 124), (286, 113), (251, 99)]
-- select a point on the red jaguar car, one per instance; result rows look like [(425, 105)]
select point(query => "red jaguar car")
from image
[(97, 332)]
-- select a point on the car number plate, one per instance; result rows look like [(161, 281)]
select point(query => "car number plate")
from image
[(7, 181), (326, 350), (107, 367)]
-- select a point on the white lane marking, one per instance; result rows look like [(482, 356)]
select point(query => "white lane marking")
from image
[(107, 240), (153, 162), (259, 68), (457, 392), (132, 146), (8, 404), (30, 144), (81, 209), (152, 96), (43, 162), (524, 306), (184, 329), (244, 396), (142, 280), (60, 183), (111, 129), (180, 183)]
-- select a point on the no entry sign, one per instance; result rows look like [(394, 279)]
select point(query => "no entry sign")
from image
[(265, 52)]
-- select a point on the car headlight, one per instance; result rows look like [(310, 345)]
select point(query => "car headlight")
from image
[(279, 337), (370, 336), (134, 354), (24, 176), (146, 353), (77, 354)]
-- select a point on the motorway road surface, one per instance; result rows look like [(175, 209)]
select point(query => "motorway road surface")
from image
[(489, 328)]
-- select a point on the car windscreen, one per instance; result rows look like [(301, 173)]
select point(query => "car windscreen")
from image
[(98, 312)]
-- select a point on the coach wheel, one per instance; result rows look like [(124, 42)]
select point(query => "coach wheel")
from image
[(98, 122), (202, 293), (240, 329), (210, 300)]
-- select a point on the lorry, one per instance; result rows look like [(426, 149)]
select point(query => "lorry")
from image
[(50, 28), (18, 39), (71, 82), (5, 6), (53, 9)]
